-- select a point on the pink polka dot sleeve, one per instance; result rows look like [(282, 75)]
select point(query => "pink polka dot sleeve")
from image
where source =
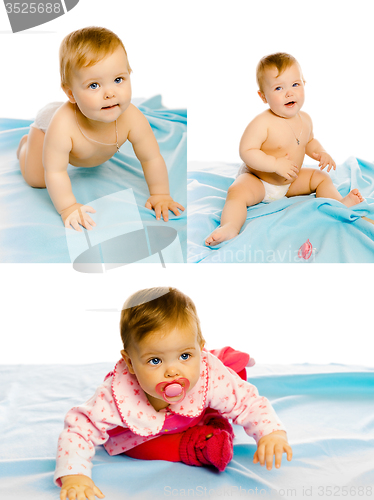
[(239, 400), (85, 427)]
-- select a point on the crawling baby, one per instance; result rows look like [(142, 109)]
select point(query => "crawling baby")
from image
[(90, 127)]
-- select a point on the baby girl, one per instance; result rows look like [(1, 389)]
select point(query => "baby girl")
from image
[(90, 127), (167, 399), (273, 147)]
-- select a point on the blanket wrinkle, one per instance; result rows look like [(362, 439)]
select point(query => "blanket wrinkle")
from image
[(336, 233), (31, 230), (327, 409)]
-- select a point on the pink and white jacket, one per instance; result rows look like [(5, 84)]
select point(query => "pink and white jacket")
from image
[(120, 417)]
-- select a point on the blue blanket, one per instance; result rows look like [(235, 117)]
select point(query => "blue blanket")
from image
[(31, 230), (302, 229), (327, 409)]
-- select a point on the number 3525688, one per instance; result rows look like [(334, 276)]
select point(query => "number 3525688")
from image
[(32, 8)]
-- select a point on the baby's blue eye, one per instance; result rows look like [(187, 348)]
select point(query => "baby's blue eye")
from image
[(295, 85), (185, 356), (94, 86), (119, 79), (154, 361), (278, 88)]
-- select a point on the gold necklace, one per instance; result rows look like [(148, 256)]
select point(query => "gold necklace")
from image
[(301, 131), (93, 140)]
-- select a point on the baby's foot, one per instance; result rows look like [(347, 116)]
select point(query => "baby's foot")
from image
[(353, 198), (217, 449), (206, 445), (222, 233), (21, 143)]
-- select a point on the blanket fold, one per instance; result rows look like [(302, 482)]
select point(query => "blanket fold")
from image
[(327, 410), (30, 228), (275, 232)]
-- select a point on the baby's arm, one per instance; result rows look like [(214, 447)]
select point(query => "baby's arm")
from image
[(315, 150), (79, 487), (250, 151), (154, 168), (239, 400), (85, 427), (57, 146), (273, 444)]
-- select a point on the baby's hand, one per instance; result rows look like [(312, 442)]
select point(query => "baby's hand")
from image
[(76, 215), (324, 160), (274, 444), (79, 487), (161, 204), (285, 168)]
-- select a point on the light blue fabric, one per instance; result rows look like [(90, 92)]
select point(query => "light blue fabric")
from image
[(30, 228), (328, 411), (275, 232)]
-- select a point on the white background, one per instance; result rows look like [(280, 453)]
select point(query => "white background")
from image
[(202, 54), (154, 44), (333, 42), (53, 314)]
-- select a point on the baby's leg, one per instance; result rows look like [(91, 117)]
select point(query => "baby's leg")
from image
[(165, 447), (246, 191), (311, 180), (30, 154), (207, 444)]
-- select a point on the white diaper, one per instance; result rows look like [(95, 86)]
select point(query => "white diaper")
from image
[(273, 192), (44, 116)]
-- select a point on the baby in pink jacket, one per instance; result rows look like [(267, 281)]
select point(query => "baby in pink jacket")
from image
[(167, 399)]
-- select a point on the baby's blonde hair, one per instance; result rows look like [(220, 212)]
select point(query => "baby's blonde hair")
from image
[(155, 309), (280, 60), (86, 47)]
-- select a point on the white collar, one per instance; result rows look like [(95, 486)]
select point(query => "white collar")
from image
[(137, 412)]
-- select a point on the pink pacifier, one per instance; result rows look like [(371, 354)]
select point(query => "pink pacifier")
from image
[(175, 389)]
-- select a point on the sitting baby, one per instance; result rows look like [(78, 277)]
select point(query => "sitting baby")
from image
[(273, 147)]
